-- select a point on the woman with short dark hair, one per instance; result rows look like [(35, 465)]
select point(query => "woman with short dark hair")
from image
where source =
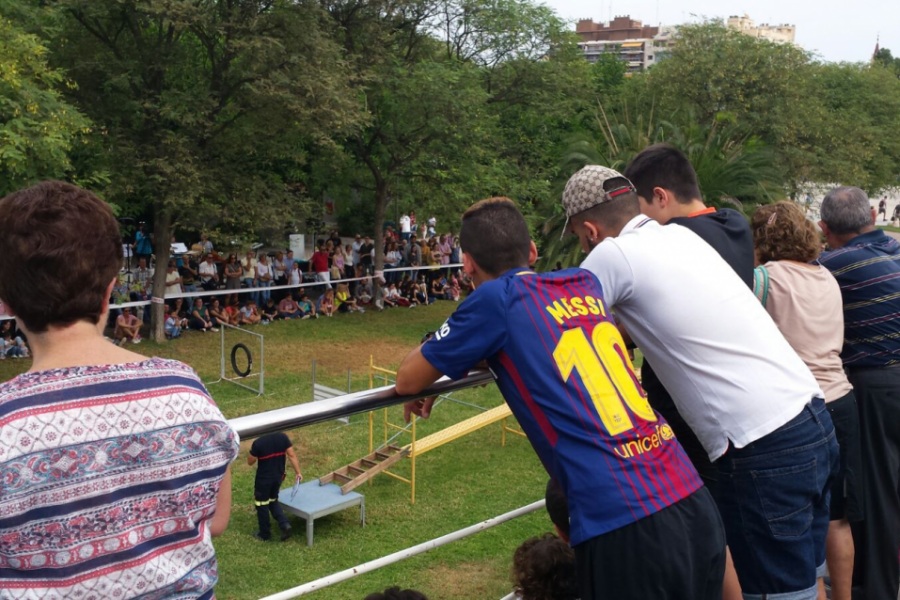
[(125, 458)]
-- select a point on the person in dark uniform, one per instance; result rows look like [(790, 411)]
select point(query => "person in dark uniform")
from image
[(270, 452)]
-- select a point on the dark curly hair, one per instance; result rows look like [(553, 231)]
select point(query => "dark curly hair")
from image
[(396, 593), (781, 231), (544, 569)]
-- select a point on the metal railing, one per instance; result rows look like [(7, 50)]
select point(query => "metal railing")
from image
[(302, 415), (310, 413)]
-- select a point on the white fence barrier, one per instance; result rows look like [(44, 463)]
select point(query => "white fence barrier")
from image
[(396, 557)]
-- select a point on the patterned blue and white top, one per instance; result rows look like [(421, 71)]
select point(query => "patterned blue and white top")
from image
[(108, 479)]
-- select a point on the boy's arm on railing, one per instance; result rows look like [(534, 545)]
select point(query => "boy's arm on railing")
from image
[(309, 413)]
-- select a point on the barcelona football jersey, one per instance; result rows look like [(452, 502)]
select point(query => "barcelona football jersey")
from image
[(563, 368)]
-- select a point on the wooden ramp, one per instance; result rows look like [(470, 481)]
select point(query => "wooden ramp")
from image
[(360, 471), (462, 428)]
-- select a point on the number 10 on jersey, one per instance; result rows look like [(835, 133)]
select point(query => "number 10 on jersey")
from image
[(607, 374)]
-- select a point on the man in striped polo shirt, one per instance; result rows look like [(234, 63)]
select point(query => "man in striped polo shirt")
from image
[(866, 263)]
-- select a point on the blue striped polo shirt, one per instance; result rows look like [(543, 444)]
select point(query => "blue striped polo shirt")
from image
[(868, 271)]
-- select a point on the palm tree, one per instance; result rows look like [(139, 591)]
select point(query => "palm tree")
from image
[(733, 167)]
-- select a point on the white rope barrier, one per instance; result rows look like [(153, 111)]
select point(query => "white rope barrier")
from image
[(220, 292), (390, 559)]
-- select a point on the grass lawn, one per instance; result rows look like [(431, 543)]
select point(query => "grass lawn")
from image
[(889, 228), (459, 484)]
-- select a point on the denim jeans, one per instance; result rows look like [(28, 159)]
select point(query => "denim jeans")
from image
[(774, 496), (262, 296)]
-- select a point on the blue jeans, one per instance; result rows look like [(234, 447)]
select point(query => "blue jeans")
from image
[(262, 296), (774, 497)]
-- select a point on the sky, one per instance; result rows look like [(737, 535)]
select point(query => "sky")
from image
[(834, 30)]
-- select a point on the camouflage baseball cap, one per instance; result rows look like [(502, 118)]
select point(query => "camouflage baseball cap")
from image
[(584, 190)]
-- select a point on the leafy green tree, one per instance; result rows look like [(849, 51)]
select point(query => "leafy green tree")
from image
[(608, 74), (207, 110), (461, 96), (734, 168), (38, 128), (887, 60), (860, 145)]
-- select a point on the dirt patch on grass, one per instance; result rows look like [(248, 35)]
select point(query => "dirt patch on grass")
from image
[(465, 580)]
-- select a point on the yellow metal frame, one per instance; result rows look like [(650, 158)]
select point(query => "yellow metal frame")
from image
[(444, 437)]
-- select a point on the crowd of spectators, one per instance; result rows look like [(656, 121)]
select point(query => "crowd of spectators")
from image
[(202, 269)]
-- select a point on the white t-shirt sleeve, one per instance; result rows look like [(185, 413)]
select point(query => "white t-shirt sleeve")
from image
[(608, 263)]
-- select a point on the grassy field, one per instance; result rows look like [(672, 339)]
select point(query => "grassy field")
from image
[(459, 484)]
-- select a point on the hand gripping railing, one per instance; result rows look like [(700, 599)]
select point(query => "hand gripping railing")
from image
[(301, 415)]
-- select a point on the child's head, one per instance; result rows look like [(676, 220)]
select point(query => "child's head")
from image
[(495, 237), (544, 569)]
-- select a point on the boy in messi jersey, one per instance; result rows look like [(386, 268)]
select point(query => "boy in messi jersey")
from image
[(641, 523)]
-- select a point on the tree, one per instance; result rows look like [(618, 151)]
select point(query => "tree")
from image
[(38, 128), (734, 167), (887, 60), (461, 95), (862, 115), (608, 74), (207, 109)]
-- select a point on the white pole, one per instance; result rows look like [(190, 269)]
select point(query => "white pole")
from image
[(403, 554)]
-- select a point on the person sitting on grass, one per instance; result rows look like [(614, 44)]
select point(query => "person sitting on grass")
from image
[(396, 593), (451, 290), (307, 306), (544, 569), (268, 453), (437, 287), (326, 303), (250, 314), (200, 319), (128, 327), (391, 295), (408, 294), (233, 308), (178, 307), (218, 315), (288, 309), (420, 291), (174, 323), (364, 292), (343, 300), (466, 284), (270, 311), (11, 345)]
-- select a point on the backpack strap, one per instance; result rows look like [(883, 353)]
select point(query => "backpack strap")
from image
[(761, 284)]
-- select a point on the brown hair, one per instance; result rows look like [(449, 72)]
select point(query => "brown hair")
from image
[(544, 569), (782, 232), (60, 248), (494, 233)]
